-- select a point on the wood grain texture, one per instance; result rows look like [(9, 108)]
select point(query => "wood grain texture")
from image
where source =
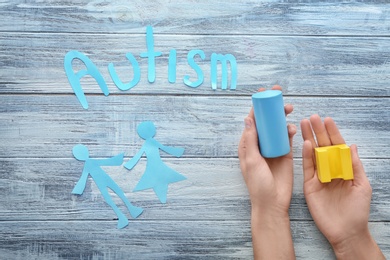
[(206, 126), (214, 190), (304, 66), (155, 240), (369, 17), (331, 58)]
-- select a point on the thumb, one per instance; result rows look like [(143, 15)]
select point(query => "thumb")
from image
[(251, 142), (357, 166), (307, 161)]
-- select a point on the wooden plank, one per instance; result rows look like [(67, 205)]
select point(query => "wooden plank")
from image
[(304, 66), (156, 240), (40, 189), (331, 58), (211, 17), (39, 126)]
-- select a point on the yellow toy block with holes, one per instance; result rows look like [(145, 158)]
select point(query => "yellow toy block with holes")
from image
[(334, 162)]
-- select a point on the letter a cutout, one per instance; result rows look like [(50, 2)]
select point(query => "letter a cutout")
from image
[(74, 78)]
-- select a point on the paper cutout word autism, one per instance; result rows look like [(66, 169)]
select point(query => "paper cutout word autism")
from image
[(103, 182), (157, 174), (151, 54)]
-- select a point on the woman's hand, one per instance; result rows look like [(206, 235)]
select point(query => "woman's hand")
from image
[(340, 208), (269, 183)]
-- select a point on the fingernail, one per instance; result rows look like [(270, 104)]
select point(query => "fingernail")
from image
[(248, 123)]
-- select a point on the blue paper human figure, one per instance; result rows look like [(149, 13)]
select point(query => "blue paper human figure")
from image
[(157, 174), (103, 181)]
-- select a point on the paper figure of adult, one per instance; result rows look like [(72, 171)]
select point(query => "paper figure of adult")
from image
[(103, 181), (157, 174)]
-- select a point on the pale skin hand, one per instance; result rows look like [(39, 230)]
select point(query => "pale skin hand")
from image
[(269, 183), (340, 208)]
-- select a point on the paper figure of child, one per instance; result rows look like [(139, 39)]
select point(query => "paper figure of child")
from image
[(103, 181), (157, 174)]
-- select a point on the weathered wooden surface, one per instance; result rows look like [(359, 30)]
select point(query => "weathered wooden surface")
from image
[(314, 17), (214, 191), (320, 66), (208, 126), (190, 239), (331, 58)]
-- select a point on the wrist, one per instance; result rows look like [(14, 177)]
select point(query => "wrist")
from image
[(271, 222), (269, 212), (271, 235), (358, 246), (270, 216)]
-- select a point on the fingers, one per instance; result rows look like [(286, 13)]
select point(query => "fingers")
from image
[(320, 131), (288, 109), (326, 133), (241, 152), (252, 152), (333, 131), (251, 112), (307, 132), (292, 130), (359, 173), (242, 155), (307, 161), (276, 87), (248, 149)]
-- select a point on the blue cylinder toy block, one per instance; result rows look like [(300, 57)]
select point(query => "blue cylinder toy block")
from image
[(271, 123)]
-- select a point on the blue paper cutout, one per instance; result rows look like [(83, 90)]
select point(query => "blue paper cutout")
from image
[(190, 59), (150, 54), (74, 78), (233, 68), (103, 182), (136, 70), (157, 174)]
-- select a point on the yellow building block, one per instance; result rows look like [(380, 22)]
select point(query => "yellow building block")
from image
[(334, 162)]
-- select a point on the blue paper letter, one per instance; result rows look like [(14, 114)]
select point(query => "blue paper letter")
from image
[(136, 71), (74, 78), (150, 54), (233, 68), (198, 70)]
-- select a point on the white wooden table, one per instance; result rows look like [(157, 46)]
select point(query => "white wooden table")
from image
[(331, 58)]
